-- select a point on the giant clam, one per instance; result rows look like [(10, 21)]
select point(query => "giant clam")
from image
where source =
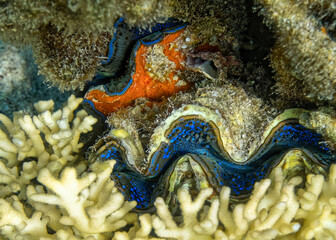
[(213, 137), (193, 148)]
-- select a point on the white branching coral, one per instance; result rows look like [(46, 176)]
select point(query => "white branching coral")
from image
[(88, 207), (140, 231), (92, 204), (192, 227), (267, 215), (74, 207), (15, 224), (318, 207), (49, 139), (274, 211)]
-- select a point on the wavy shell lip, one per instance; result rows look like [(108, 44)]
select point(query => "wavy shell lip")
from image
[(300, 163), (200, 137)]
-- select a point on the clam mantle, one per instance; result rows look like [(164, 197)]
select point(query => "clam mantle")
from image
[(193, 147)]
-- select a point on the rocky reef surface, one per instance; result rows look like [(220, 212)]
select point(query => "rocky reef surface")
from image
[(20, 85)]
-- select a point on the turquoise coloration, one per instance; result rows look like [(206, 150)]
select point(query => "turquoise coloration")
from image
[(199, 139)]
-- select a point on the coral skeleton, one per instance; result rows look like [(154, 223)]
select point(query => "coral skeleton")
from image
[(44, 144), (274, 211), (29, 144)]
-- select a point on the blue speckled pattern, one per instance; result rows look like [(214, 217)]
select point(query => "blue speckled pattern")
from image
[(200, 139)]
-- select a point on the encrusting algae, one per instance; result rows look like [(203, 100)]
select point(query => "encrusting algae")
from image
[(69, 38), (304, 54)]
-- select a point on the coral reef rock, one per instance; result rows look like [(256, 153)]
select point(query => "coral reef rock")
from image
[(12, 70), (69, 38), (304, 56)]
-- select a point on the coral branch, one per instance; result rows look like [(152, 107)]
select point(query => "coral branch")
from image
[(192, 228), (73, 195), (30, 137)]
